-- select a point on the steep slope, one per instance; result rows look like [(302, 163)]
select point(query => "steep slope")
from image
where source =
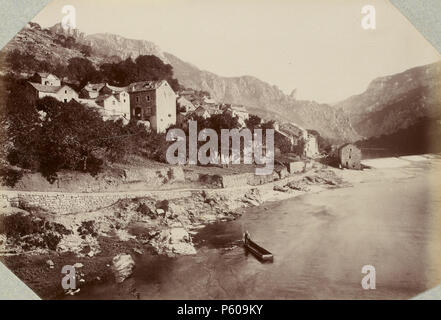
[(44, 45), (396, 102), (266, 100), (424, 136), (108, 45), (256, 95)]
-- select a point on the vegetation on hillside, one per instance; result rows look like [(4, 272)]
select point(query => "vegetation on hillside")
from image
[(422, 137), (50, 135), (82, 70)]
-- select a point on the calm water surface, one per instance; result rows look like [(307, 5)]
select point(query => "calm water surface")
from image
[(320, 243)]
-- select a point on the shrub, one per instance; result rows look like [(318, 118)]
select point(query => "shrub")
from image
[(143, 209), (10, 176), (87, 228), (18, 224)]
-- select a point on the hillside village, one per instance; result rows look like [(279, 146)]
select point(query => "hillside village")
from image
[(157, 106)]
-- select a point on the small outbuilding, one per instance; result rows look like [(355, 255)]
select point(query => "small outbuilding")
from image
[(349, 156)]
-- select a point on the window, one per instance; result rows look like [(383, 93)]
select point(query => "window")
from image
[(169, 115), (65, 100), (138, 112), (124, 100), (65, 91), (148, 98), (113, 102), (137, 99)]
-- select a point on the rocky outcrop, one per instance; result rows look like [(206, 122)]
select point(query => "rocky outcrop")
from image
[(396, 102), (122, 267), (266, 100), (174, 241), (106, 44)]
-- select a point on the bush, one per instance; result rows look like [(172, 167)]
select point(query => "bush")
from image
[(87, 228), (10, 176), (144, 209), (51, 240), (19, 224), (162, 205)]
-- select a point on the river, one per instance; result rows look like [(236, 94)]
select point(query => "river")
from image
[(320, 243)]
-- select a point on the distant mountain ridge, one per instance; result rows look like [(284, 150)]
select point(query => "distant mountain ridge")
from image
[(396, 102), (389, 103)]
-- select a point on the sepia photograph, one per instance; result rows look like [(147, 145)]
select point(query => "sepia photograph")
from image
[(219, 150)]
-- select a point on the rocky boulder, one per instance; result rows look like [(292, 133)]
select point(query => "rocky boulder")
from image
[(174, 241), (122, 267)]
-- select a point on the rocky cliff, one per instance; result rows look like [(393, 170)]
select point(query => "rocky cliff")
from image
[(108, 45), (266, 100), (396, 102)]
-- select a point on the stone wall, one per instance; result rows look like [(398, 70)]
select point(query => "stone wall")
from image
[(111, 180), (255, 180), (295, 167), (71, 202), (74, 202), (235, 180)]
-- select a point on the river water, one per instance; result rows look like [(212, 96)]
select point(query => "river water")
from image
[(320, 243)]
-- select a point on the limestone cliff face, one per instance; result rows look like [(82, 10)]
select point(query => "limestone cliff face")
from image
[(106, 44), (58, 29), (43, 44), (396, 102), (266, 100)]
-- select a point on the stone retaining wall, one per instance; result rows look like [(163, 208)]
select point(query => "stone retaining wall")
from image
[(64, 203), (235, 180), (73, 202)]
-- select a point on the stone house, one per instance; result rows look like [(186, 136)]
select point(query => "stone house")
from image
[(62, 93), (349, 156), (115, 101), (310, 148), (153, 101), (47, 79), (185, 104), (112, 105), (91, 90)]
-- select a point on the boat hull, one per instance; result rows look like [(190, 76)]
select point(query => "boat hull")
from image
[(259, 252)]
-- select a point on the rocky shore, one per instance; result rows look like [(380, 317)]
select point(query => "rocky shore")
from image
[(102, 245)]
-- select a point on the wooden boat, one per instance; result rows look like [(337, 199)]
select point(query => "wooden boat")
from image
[(259, 252)]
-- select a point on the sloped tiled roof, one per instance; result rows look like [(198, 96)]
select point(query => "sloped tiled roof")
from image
[(103, 97), (116, 89), (44, 88), (145, 85), (46, 74), (94, 86)]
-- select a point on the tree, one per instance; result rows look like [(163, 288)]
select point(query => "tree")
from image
[(82, 70), (253, 122), (145, 67)]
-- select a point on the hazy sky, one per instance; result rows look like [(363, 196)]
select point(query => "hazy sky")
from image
[(315, 46)]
